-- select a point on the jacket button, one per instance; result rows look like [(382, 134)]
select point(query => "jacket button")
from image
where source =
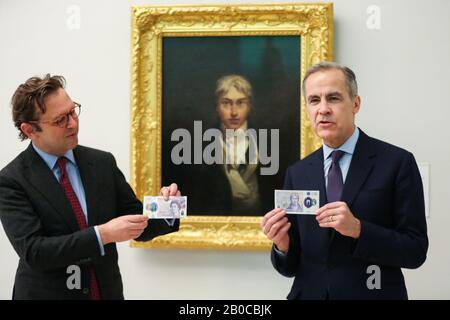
[(85, 290)]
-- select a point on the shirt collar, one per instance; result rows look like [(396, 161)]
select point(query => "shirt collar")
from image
[(51, 159), (347, 147)]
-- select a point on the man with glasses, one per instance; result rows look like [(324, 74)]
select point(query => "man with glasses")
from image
[(64, 206)]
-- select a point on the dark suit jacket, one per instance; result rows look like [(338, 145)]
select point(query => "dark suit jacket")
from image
[(209, 190), (40, 224), (383, 189), (212, 193)]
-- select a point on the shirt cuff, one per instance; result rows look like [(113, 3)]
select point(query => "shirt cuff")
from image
[(99, 239), (170, 222), (281, 254)]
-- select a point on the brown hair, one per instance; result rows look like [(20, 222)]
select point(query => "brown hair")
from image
[(28, 99)]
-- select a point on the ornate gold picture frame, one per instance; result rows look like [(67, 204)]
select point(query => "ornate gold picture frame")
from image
[(311, 24)]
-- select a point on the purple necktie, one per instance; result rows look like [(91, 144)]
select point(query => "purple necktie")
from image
[(335, 181)]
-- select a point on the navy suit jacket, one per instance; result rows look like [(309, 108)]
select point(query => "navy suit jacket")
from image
[(383, 189), (40, 224)]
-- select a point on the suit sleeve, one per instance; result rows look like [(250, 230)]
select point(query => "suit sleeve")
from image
[(287, 264), (406, 244), (24, 230), (128, 203)]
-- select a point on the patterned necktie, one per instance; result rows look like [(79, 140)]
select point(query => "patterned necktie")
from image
[(79, 215), (335, 181)]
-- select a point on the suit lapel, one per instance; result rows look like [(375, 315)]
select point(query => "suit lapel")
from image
[(316, 179), (316, 175), (360, 168), (86, 166), (43, 179)]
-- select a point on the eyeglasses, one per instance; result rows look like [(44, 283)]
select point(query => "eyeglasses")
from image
[(63, 120)]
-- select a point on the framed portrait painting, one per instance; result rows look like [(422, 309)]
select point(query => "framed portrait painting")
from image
[(216, 107)]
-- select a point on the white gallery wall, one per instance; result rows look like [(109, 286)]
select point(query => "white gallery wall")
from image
[(403, 69)]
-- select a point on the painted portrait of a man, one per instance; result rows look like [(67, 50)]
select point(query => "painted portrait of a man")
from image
[(238, 101)]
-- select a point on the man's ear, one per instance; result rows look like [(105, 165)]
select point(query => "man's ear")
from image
[(356, 104), (27, 129)]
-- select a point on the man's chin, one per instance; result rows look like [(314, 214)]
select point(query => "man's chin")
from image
[(325, 132), (325, 135), (233, 126), (73, 143)]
